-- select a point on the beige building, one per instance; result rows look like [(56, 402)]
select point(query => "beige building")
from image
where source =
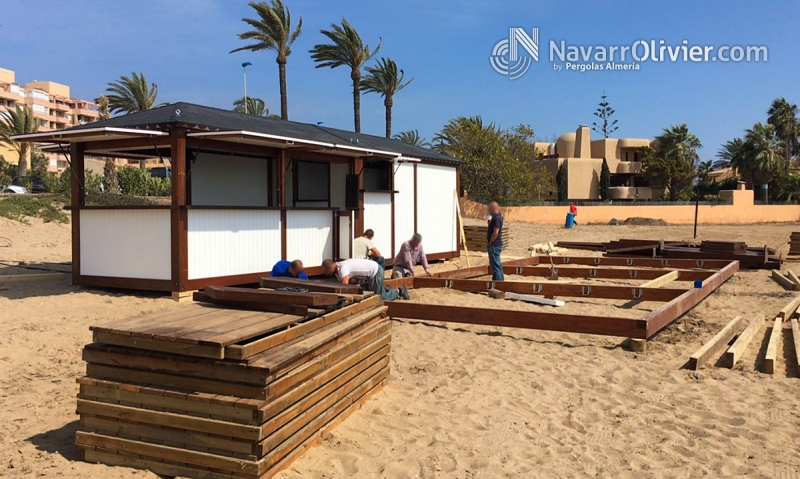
[(53, 106), (583, 160)]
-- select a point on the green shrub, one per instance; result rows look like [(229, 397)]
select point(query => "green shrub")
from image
[(111, 199), (133, 181), (5, 180), (47, 207)]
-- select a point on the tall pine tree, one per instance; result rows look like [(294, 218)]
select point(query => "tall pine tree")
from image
[(605, 182), (561, 183)]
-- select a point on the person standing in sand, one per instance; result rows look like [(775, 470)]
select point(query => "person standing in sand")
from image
[(494, 240)]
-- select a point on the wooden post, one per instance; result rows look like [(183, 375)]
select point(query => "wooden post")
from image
[(77, 200), (358, 169), (281, 189), (179, 213)]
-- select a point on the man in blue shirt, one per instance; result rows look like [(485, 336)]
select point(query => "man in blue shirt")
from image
[(286, 269)]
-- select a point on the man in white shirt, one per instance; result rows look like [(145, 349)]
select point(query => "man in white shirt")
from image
[(367, 273), (364, 248)]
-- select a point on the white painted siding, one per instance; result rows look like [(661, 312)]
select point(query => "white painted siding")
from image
[(378, 217), (403, 205), (232, 242), (346, 236), (339, 172), (126, 243), (222, 180), (309, 236), (436, 207)]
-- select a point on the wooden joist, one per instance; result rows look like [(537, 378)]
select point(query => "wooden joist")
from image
[(293, 309), (535, 299), (262, 296), (662, 280), (638, 262), (788, 310), (784, 281), (737, 349), (715, 344), (604, 273), (771, 356), (602, 325), (26, 278), (554, 289), (312, 285)]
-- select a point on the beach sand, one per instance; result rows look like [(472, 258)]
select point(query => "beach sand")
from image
[(463, 401)]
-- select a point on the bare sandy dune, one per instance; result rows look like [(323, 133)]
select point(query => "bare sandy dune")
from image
[(463, 401)]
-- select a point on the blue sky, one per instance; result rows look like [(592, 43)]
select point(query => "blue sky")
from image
[(445, 45)]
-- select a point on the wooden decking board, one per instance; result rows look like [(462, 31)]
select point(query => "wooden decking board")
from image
[(188, 349), (154, 465), (319, 400), (194, 332), (115, 427), (377, 333), (320, 286), (346, 367), (210, 426), (246, 328), (251, 348), (227, 293), (170, 364), (134, 323), (281, 358)]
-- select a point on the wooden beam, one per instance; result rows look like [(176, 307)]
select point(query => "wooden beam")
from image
[(793, 277), (772, 348), (570, 323), (737, 349), (715, 344), (179, 232), (25, 278), (553, 289), (294, 309), (788, 310), (77, 200), (784, 281), (262, 296), (604, 273), (641, 262), (315, 286), (796, 340), (661, 280), (534, 299), (667, 313)]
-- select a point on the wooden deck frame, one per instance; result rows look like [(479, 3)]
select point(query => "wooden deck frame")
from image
[(676, 302)]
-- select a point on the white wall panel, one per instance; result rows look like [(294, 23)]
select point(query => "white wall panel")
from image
[(309, 236), (403, 205), (232, 242), (436, 207), (126, 243), (222, 180), (378, 217), (346, 236)]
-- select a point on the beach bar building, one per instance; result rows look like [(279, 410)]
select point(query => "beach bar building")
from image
[(248, 191)]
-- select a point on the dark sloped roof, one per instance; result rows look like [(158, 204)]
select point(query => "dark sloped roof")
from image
[(217, 119)]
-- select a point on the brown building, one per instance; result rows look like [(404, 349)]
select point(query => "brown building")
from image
[(583, 160), (52, 105)]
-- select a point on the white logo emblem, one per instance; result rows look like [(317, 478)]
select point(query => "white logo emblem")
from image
[(506, 59)]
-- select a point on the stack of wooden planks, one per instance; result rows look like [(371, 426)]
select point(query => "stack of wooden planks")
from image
[(794, 245), (476, 237), (212, 392), (724, 247)]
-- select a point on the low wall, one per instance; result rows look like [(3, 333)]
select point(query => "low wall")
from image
[(742, 211)]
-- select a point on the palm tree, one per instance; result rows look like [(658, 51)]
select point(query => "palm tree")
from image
[(346, 48), (730, 154), (131, 94), (678, 146), (386, 80), (763, 154), (110, 181), (19, 121), (255, 107), (412, 138), (704, 169), (783, 116), (273, 31)]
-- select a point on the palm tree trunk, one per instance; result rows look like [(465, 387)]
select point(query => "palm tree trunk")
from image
[(22, 166), (356, 76), (788, 154), (284, 96), (388, 103)]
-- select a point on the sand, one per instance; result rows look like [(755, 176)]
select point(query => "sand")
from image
[(462, 401)]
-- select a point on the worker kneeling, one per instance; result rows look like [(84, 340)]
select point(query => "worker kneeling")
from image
[(367, 273)]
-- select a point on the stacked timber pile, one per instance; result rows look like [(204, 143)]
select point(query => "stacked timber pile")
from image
[(748, 257), (211, 392), (476, 237), (794, 245)]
